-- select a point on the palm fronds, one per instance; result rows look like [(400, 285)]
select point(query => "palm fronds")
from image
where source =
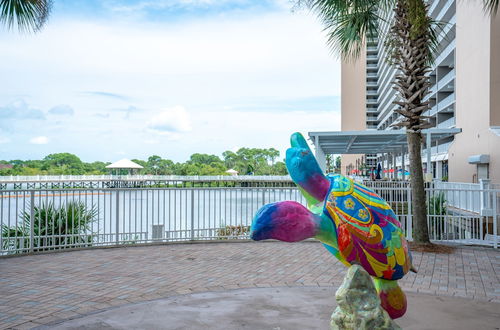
[(349, 23), (491, 6), (68, 225), (26, 15), (437, 205)]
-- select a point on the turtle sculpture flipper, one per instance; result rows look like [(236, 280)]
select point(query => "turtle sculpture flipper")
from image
[(353, 223)]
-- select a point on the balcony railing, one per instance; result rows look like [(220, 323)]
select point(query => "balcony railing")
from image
[(447, 79), (449, 123), (446, 102)]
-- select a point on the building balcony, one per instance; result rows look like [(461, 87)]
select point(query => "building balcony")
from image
[(432, 92), (447, 104), (436, 4), (447, 83), (447, 51), (449, 123), (446, 13)]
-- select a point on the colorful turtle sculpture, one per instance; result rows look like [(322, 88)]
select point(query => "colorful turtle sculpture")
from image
[(355, 224)]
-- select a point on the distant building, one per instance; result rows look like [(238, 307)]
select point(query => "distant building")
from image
[(124, 165), (465, 94), (6, 166), (232, 172)]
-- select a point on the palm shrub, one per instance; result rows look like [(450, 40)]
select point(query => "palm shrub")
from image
[(437, 209), (437, 204), (69, 225)]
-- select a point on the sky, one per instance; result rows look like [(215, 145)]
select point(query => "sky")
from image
[(116, 79)]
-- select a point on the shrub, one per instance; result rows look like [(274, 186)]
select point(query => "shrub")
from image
[(229, 231), (437, 210), (437, 205), (54, 227)]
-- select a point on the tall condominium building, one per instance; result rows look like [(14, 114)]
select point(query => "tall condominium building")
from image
[(464, 94)]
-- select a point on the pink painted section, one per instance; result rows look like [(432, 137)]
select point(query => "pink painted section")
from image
[(292, 222), (386, 217), (318, 186)]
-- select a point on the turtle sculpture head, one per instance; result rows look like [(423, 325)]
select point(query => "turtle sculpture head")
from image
[(355, 224)]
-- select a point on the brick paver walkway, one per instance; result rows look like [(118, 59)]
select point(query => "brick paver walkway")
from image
[(41, 289)]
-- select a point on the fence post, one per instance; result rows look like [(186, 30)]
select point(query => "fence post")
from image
[(32, 221), (409, 218), (484, 203), (192, 214), (495, 218), (117, 217)]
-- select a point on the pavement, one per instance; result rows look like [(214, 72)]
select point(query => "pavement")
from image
[(295, 308), (48, 289)]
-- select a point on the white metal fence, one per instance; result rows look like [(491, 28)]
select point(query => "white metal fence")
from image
[(460, 213), (57, 178), (51, 219), (38, 220)]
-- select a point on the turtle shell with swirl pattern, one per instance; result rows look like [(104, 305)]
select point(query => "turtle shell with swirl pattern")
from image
[(368, 231)]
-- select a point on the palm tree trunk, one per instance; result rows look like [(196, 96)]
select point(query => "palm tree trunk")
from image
[(410, 52), (419, 212)]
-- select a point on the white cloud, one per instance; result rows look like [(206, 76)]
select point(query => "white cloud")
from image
[(173, 120), (4, 139), (62, 110), (20, 110), (39, 140)]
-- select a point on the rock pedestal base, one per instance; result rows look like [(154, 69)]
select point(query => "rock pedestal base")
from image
[(359, 304)]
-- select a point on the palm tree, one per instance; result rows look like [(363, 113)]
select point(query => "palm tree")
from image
[(411, 42), (26, 15), (491, 6)]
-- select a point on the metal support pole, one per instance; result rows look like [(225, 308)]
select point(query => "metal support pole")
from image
[(409, 215), (32, 220), (394, 167), (495, 219), (192, 214), (117, 217), (320, 155), (388, 167), (403, 166), (382, 162), (429, 164)]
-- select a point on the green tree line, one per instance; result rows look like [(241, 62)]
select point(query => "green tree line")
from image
[(247, 161)]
